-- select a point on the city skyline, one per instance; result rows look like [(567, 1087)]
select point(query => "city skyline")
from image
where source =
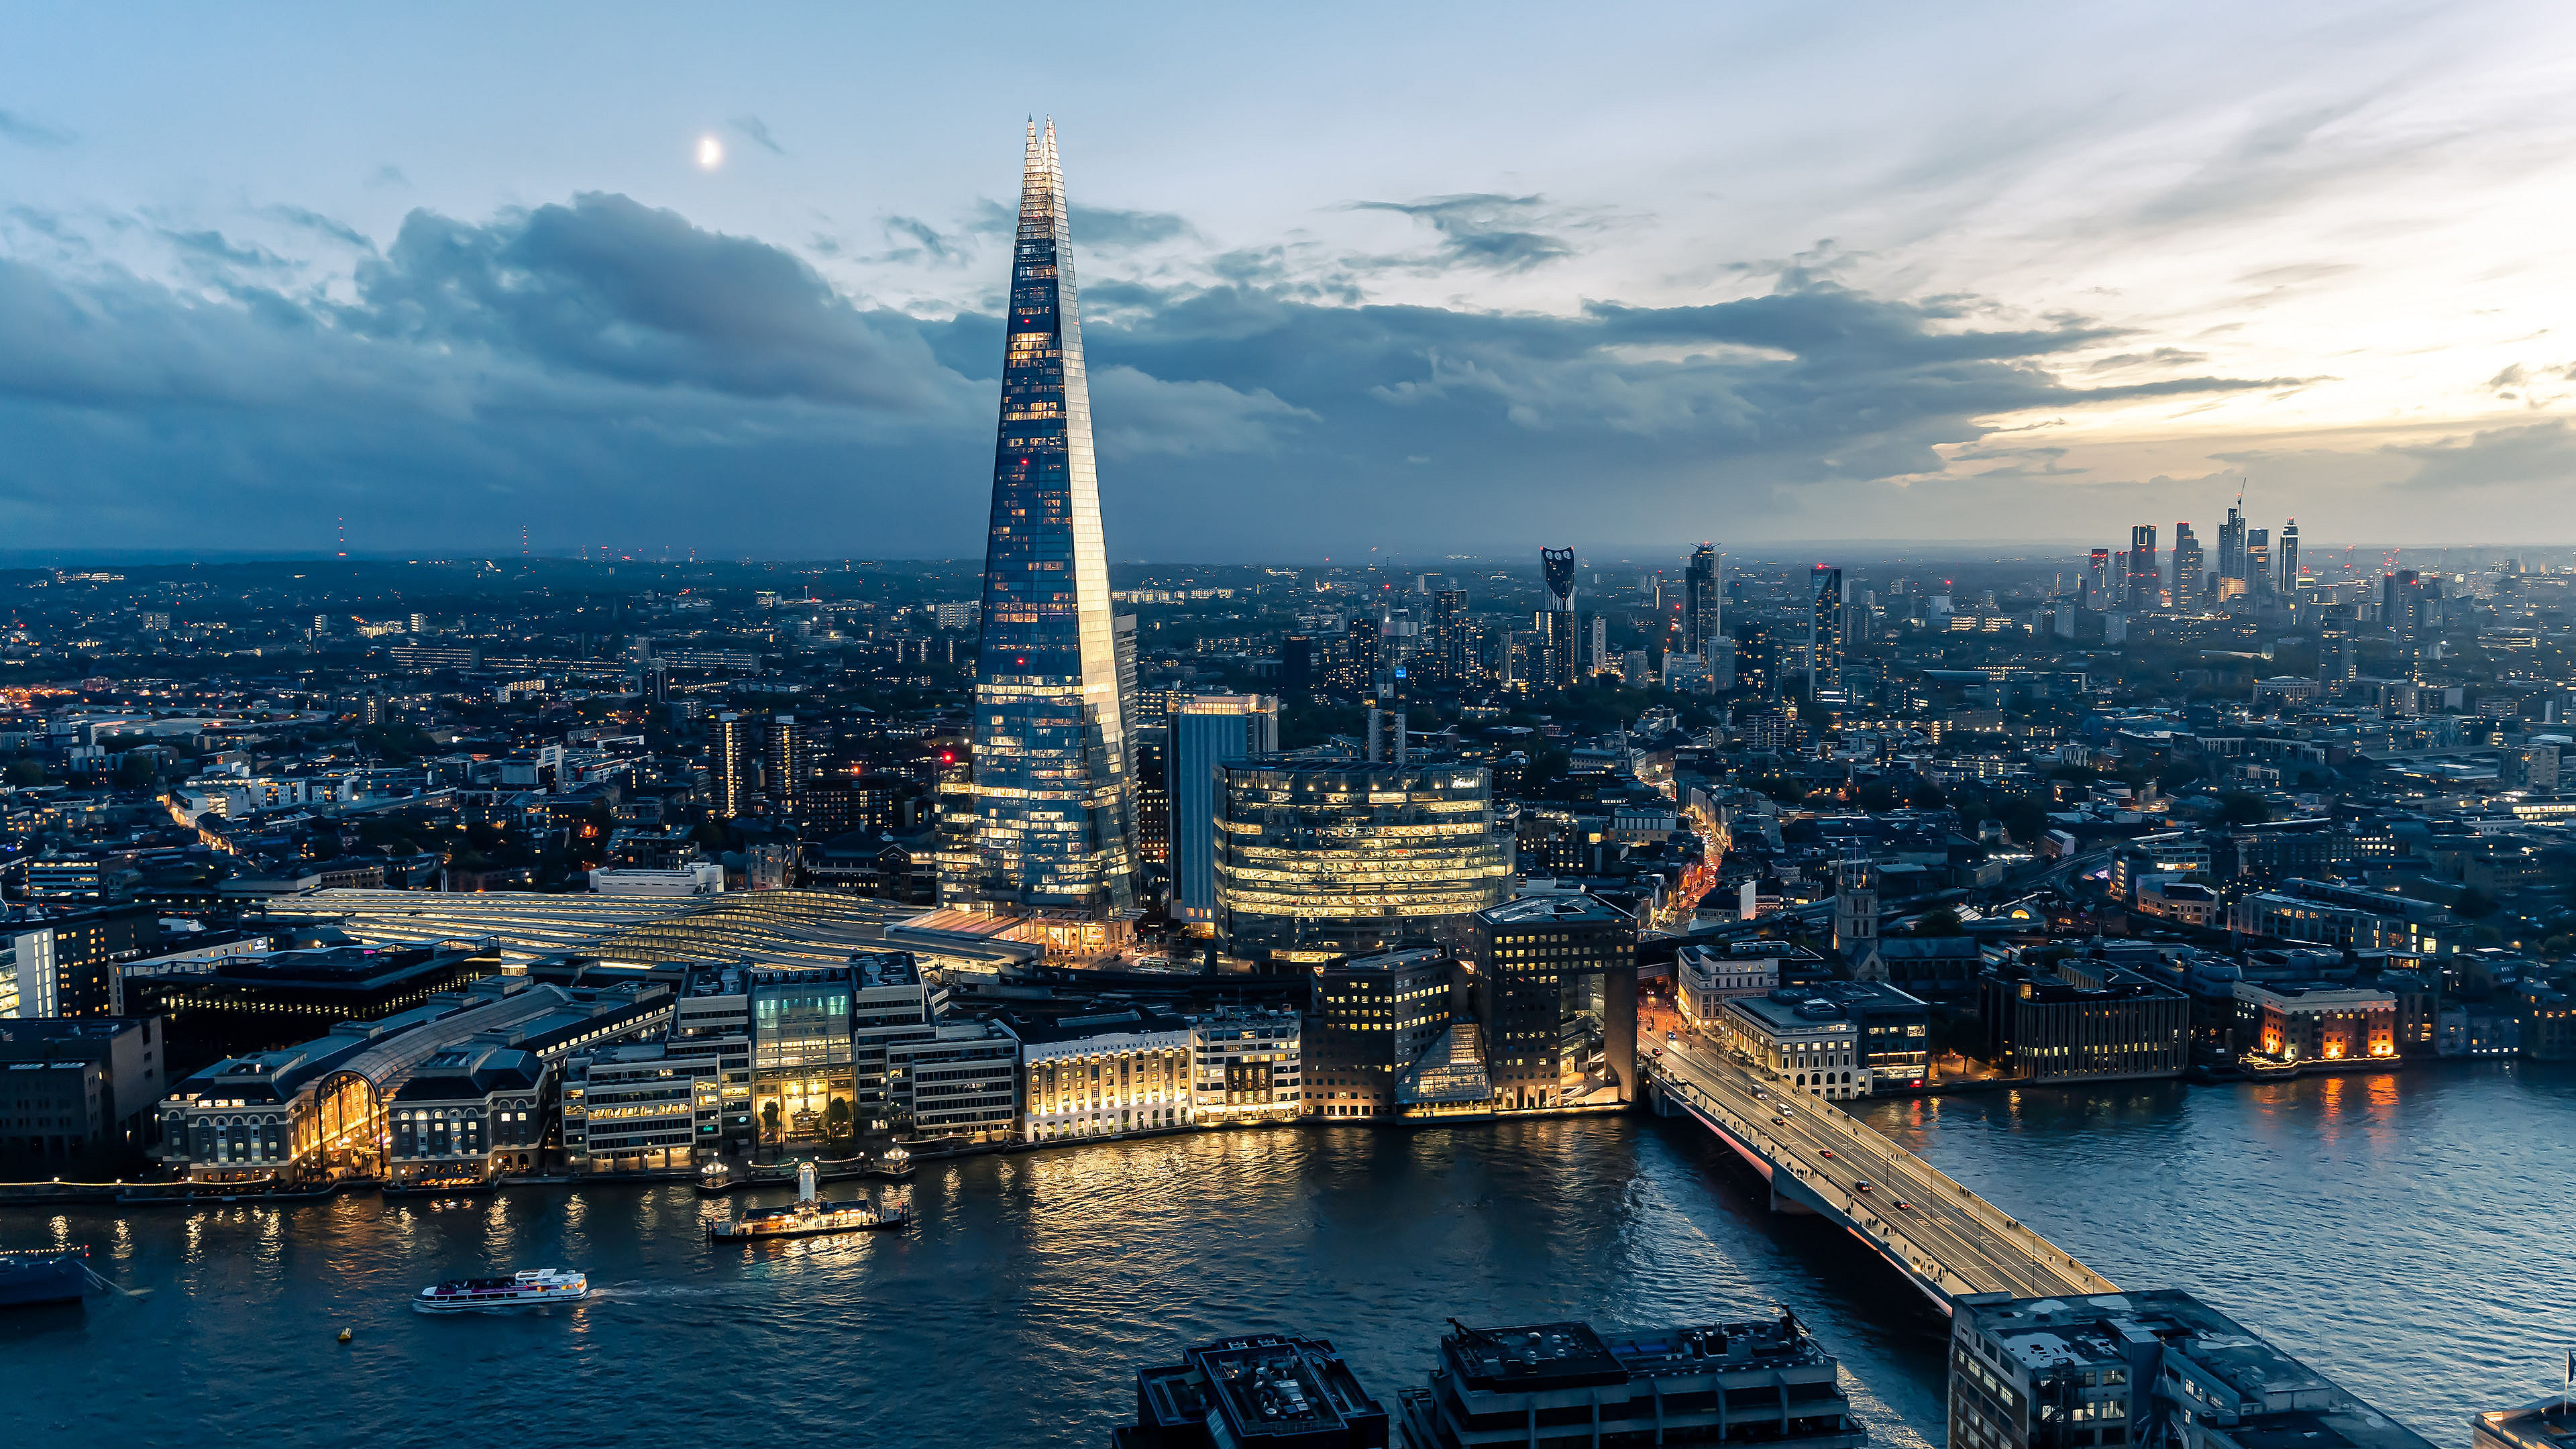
[(679, 275)]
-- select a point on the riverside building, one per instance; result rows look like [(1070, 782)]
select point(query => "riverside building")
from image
[(639, 1108), (1265, 1390), (1805, 1042), (1555, 999), (1247, 1066), (1321, 858), (1375, 1016), (1106, 1075), (2155, 1368), (2083, 1019), (475, 1111), (962, 1080)]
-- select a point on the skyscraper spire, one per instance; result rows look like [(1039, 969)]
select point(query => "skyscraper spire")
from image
[(1053, 821)]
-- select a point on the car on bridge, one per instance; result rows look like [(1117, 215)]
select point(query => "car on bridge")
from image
[(1861, 1186), (1826, 1152)]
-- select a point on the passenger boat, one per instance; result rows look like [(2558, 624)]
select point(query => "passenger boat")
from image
[(897, 1164), (527, 1288), (43, 1275), (808, 1217), (718, 1176)]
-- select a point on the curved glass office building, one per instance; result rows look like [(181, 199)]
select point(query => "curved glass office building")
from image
[(1322, 858)]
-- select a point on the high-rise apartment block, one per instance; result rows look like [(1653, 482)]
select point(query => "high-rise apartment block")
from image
[(1825, 631), (1703, 602), (1053, 819), (1555, 665)]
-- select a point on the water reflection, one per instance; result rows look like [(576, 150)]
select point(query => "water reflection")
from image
[(2334, 1215)]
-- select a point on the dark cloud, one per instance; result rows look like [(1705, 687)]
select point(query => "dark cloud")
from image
[(2532, 454), (1498, 233), (609, 287), (1106, 228), (600, 363), (315, 221), (926, 242), (28, 131), (754, 128), (213, 246)]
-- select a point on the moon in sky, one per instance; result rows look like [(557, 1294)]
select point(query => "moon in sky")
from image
[(710, 152)]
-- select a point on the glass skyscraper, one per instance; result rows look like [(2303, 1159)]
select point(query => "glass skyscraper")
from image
[(1053, 825)]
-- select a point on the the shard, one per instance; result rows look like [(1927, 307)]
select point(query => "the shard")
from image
[(1053, 817)]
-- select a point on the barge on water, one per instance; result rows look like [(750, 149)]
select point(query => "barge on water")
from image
[(808, 1217)]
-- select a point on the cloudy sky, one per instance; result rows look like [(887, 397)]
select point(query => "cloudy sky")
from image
[(1422, 278)]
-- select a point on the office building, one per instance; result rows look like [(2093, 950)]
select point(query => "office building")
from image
[(76, 1093), (2154, 1368), (1249, 1066), (1894, 1030), (1149, 753), (1805, 1042), (962, 1080), (1555, 1000), (2288, 587), (1825, 631), (1764, 1382), (1299, 675), (1318, 858), (1706, 977), (1106, 1074), (1269, 1389), (2258, 562), (2082, 1019), (1553, 626), (2146, 580), (732, 758), (2098, 595), (1703, 602), (2231, 545), (641, 1108), (261, 1000), (2189, 584), (1597, 657), (1373, 1017), (802, 1087), (1053, 829), (1208, 731)]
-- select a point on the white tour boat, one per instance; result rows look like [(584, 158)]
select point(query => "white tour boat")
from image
[(527, 1288)]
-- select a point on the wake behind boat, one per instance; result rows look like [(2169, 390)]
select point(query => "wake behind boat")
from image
[(808, 1217), (527, 1288)]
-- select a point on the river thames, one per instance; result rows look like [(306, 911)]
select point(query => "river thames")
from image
[(2407, 1234)]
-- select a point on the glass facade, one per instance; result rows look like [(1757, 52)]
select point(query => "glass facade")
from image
[(1052, 818), (1323, 858)]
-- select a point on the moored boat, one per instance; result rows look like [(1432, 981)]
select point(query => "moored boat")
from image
[(808, 1217), (32, 1276), (527, 1288)]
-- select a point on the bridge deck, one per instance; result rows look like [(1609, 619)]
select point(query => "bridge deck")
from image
[(1948, 1239)]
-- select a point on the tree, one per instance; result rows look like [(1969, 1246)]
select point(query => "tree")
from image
[(769, 1120), (2475, 904), (836, 1117), (2238, 808), (1943, 922)]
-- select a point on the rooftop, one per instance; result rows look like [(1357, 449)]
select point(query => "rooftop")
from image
[(1567, 910)]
